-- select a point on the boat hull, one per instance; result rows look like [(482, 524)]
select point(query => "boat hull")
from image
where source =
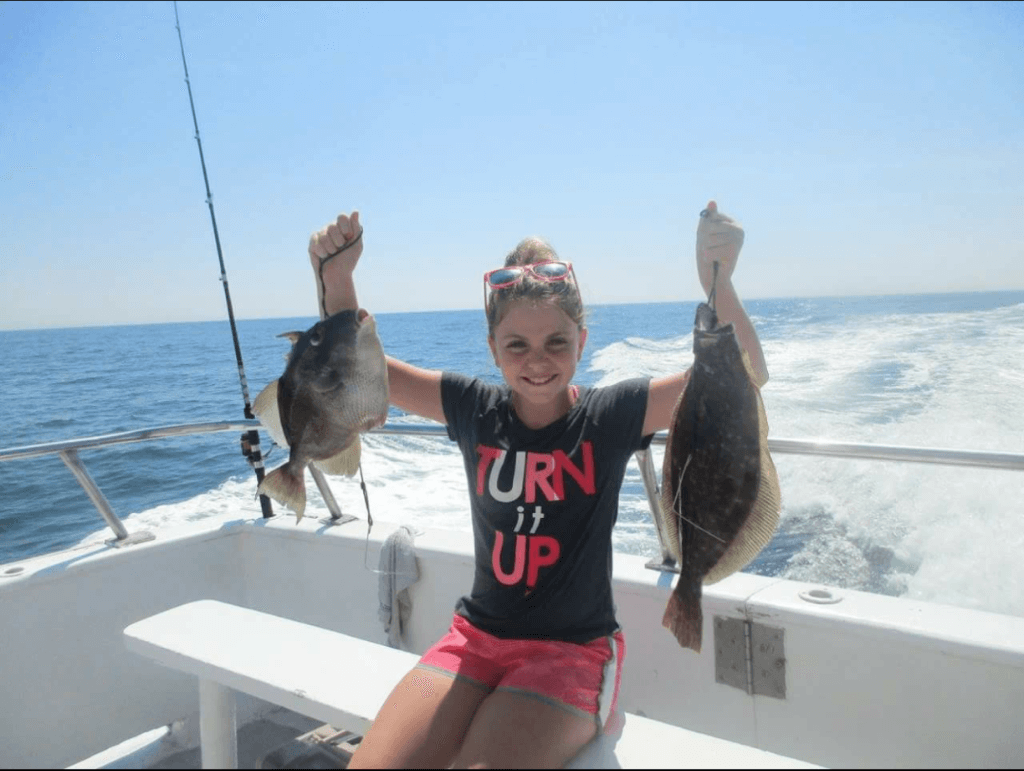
[(868, 680)]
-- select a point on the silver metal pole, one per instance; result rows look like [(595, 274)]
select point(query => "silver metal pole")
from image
[(337, 518), (125, 437), (73, 462), (649, 476), (997, 460)]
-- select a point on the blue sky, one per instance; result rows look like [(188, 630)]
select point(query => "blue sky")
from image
[(868, 148)]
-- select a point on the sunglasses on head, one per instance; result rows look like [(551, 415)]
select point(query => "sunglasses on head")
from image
[(550, 270)]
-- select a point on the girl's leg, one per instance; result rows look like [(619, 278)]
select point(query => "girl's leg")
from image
[(513, 730), (422, 724)]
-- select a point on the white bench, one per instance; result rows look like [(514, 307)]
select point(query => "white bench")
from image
[(229, 648)]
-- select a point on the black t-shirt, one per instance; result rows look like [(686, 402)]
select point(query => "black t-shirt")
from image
[(543, 504)]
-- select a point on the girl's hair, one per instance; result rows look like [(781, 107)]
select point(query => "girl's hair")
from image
[(565, 293)]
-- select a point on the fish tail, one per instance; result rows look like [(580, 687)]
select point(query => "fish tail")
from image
[(287, 488), (683, 616)]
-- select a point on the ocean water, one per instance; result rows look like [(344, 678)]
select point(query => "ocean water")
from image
[(918, 370)]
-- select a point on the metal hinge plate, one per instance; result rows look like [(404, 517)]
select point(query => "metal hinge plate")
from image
[(750, 657)]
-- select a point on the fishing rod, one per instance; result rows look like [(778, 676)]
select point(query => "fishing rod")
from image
[(251, 439)]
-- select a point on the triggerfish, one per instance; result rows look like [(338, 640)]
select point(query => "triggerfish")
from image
[(334, 387)]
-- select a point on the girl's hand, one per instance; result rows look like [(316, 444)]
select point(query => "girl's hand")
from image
[(335, 287), (330, 239), (719, 239)]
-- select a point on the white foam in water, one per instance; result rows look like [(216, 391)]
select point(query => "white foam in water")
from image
[(937, 533), (634, 357), (233, 500)]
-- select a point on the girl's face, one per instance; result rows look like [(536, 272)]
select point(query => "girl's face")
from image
[(536, 347)]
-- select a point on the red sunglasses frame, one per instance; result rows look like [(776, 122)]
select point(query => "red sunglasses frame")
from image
[(522, 270)]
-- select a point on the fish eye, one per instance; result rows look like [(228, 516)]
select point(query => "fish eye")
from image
[(316, 337)]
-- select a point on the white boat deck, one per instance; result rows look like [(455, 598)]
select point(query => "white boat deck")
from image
[(267, 742)]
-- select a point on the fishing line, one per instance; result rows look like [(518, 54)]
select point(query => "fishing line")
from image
[(706, 532), (250, 440), (369, 526), (714, 286), (705, 213), (362, 482), (676, 507)]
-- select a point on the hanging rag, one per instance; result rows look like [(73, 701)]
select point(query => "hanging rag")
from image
[(398, 571)]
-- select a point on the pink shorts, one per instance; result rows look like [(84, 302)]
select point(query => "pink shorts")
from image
[(581, 678)]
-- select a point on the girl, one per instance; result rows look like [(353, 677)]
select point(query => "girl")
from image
[(529, 670)]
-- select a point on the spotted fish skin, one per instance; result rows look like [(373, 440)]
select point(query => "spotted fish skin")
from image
[(720, 493)]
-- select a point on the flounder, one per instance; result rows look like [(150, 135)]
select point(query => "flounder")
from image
[(720, 490), (334, 387)]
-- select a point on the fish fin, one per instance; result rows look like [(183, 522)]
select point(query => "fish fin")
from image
[(345, 463), (370, 407), (265, 408), (286, 488), (293, 336), (683, 615), (759, 529)]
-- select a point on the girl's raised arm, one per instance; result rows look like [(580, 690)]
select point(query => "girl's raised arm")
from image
[(719, 239), (334, 252)]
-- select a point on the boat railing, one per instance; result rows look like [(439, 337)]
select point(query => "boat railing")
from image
[(68, 451)]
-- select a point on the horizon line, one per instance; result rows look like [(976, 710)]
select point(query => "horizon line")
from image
[(474, 308)]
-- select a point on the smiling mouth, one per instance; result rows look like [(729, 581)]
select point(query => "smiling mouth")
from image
[(540, 381)]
